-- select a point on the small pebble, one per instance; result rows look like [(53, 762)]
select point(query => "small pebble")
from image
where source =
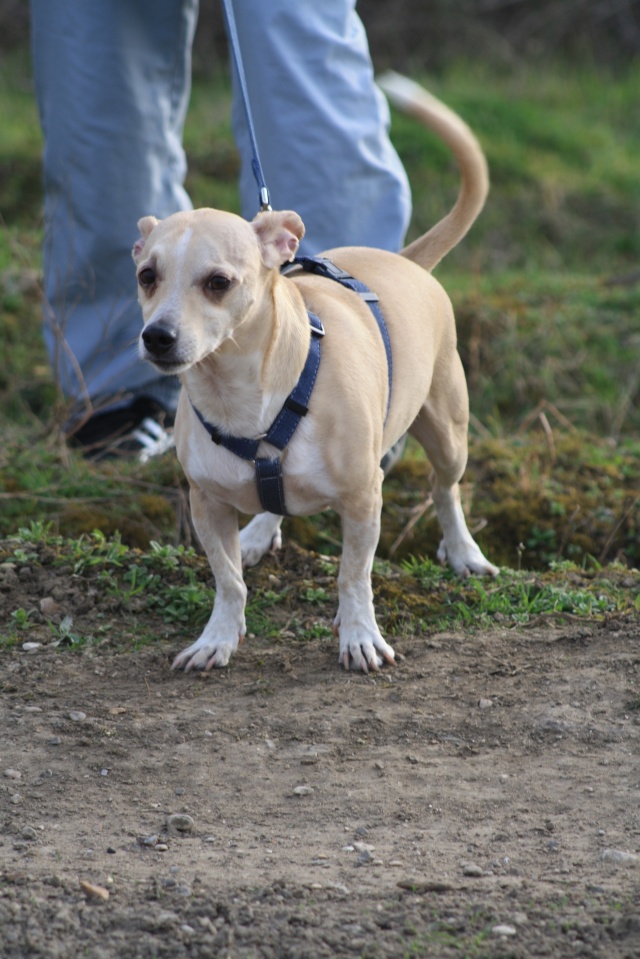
[(619, 855), (30, 647), (161, 847), (12, 774), (471, 869), (146, 840), (180, 822), (32, 709), (485, 704), (16, 798), (77, 716), (54, 741), (309, 760), (303, 791), (96, 893), (180, 791), (29, 833), (503, 930), (363, 847)]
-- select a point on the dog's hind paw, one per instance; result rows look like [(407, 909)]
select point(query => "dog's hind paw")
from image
[(259, 537), (466, 559)]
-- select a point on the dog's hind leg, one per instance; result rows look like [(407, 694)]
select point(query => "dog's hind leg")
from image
[(260, 536), (441, 428), (217, 527), (361, 643)]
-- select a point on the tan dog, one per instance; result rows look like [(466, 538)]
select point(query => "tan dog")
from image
[(218, 312)]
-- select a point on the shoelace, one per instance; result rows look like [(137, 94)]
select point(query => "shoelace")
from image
[(153, 439)]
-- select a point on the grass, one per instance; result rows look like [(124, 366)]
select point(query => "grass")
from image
[(167, 590), (547, 295)]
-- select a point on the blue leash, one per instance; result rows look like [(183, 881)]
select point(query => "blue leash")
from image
[(256, 166)]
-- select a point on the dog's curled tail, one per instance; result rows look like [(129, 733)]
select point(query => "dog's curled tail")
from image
[(413, 99)]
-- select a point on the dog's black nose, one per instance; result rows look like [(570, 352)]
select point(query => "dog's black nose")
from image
[(159, 339)]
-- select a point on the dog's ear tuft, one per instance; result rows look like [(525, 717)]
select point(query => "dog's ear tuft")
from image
[(145, 225), (279, 235)]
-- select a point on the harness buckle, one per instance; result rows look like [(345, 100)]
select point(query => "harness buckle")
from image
[(299, 408), (328, 268), (368, 296)]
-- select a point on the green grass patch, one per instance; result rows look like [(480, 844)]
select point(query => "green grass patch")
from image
[(167, 591)]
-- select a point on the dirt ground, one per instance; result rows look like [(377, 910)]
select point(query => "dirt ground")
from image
[(481, 799)]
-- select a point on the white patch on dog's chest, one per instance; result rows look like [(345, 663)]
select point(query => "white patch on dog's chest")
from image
[(307, 485)]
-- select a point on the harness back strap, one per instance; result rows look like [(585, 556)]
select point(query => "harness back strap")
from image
[(324, 267), (269, 469)]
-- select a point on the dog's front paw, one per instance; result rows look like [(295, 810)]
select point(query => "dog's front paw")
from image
[(466, 559), (207, 653), (363, 650)]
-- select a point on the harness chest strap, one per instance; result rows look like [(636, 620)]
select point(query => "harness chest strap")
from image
[(269, 469)]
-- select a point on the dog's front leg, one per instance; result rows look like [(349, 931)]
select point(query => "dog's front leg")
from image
[(217, 527), (361, 643)]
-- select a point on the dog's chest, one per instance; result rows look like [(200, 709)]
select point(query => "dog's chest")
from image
[(308, 488)]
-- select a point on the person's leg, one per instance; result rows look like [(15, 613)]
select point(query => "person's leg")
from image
[(112, 82), (321, 124)]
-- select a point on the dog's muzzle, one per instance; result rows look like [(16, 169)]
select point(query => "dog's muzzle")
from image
[(159, 339)]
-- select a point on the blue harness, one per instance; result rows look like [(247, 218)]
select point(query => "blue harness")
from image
[(269, 469)]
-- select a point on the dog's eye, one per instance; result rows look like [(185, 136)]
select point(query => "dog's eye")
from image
[(217, 283), (147, 277)]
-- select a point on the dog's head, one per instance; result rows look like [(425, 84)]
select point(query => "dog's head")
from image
[(201, 275)]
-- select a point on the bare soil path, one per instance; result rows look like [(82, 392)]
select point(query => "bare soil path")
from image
[(481, 799)]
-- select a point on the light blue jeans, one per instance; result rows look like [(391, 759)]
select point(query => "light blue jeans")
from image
[(113, 81)]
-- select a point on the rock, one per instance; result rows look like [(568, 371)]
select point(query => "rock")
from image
[(485, 704), (303, 791), (28, 832), (180, 823), (12, 774), (619, 855), (77, 716), (424, 885), (472, 870), (147, 840), (503, 930), (30, 647), (54, 741), (94, 893), (363, 847)]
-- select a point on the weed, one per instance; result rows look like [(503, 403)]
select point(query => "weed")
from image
[(21, 618)]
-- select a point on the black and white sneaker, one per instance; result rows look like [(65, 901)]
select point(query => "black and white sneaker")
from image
[(153, 439), (143, 430)]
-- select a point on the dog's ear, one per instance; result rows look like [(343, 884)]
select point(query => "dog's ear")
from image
[(279, 236), (145, 225)]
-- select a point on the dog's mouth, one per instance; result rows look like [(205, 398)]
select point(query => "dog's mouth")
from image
[(166, 365)]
